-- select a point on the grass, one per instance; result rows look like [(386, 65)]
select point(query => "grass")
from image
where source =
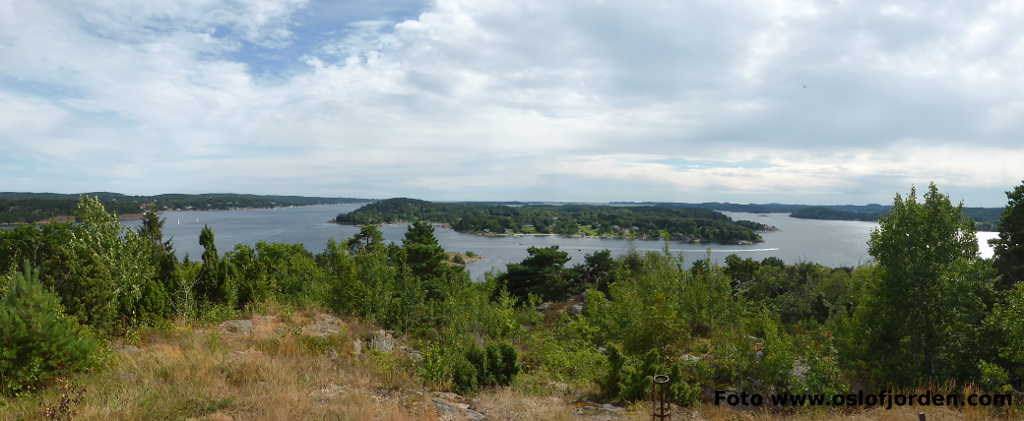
[(286, 370)]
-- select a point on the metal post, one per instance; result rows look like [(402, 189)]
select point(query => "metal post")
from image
[(661, 408), (920, 416)]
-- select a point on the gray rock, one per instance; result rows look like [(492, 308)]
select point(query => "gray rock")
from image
[(543, 306), (241, 327), (452, 410), (357, 347), (576, 309), (383, 341), (800, 369), (598, 411), (324, 325), (690, 357)]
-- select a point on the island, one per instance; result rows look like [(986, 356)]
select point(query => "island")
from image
[(985, 219), (687, 224)]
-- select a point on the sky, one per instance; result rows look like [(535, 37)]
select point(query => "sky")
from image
[(818, 102)]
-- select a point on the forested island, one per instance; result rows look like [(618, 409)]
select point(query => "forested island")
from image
[(640, 222), (985, 219), (36, 207)]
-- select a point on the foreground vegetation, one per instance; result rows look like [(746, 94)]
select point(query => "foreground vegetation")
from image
[(106, 323), (642, 222), (34, 207)]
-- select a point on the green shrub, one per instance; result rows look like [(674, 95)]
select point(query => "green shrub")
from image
[(464, 375), (495, 365), (39, 341)]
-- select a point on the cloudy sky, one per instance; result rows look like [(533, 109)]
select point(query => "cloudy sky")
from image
[(750, 101)]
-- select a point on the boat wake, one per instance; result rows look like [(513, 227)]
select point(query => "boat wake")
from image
[(728, 251)]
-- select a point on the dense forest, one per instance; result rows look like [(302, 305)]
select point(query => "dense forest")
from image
[(601, 328), (985, 219), (34, 207), (642, 222)]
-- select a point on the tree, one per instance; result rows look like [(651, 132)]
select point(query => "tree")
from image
[(542, 273), (423, 254), (368, 238), (1009, 247), (596, 270), (214, 283), (922, 318), (162, 251), (39, 341)]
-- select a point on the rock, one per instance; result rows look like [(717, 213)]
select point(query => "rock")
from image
[(327, 392), (543, 307), (800, 369), (452, 411), (576, 309), (324, 325), (602, 350), (448, 396), (383, 341), (690, 357), (241, 327), (598, 411), (357, 347)]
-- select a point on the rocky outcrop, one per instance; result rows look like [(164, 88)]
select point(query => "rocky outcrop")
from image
[(594, 411), (452, 407), (382, 341), (238, 327), (324, 325)]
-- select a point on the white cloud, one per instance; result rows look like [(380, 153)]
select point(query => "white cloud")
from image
[(495, 100)]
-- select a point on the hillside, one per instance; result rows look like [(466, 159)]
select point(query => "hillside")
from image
[(283, 365), (35, 207)]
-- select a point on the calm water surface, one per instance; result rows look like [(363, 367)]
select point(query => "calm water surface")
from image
[(832, 243)]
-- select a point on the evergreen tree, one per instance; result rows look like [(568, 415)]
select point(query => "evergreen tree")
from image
[(423, 254), (163, 251), (368, 238), (214, 283), (542, 273), (39, 341)]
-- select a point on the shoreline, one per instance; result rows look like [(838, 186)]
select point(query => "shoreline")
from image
[(138, 216), (599, 237)]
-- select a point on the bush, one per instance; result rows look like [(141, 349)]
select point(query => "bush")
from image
[(495, 365), (464, 375), (40, 342)]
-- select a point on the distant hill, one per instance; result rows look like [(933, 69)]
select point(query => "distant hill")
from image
[(644, 222), (35, 207), (985, 219)]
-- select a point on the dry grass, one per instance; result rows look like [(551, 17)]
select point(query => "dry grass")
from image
[(275, 373), (281, 372)]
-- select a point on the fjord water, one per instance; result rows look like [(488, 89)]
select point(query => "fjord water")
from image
[(825, 242), (831, 243)]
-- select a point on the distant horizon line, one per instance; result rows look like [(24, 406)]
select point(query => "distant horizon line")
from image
[(514, 201)]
